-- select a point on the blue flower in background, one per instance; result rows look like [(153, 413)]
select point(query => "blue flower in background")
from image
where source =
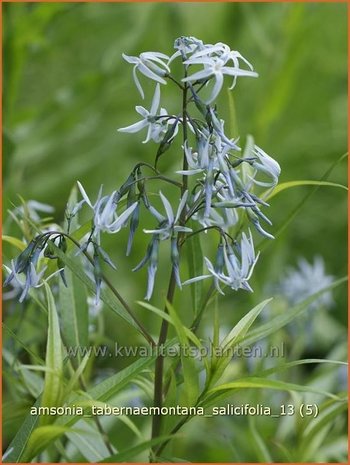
[(305, 280)]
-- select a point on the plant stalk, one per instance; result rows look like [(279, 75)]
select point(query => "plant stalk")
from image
[(159, 366)]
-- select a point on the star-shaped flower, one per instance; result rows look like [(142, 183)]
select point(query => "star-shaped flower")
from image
[(156, 128), (215, 61), (151, 65)]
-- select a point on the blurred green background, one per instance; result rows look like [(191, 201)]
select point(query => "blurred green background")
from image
[(67, 90)]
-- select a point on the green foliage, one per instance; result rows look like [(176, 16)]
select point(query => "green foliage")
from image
[(66, 91)]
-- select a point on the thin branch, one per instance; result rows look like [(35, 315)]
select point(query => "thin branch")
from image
[(175, 81), (126, 306)]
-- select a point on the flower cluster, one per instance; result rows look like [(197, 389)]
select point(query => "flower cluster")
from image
[(220, 185), (305, 280)]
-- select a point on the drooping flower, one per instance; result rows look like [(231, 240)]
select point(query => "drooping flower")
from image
[(239, 266), (151, 65), (33, 278), (155, 126), (105, 217), (151, 257), (266, 165), (198, 161)]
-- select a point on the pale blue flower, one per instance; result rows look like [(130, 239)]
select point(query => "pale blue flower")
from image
[(33, 278), (168, 225), (214, 60), (105, 217), (198, 161), (239, 266), (134, 222), (306, 279), (34, 209), (202, 161), (156, 128), (186, 45), (151, 257), (175, 260), (151, 65), (266, 165)]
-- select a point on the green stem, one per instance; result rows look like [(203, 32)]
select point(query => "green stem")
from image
[(175, 81), (159, 366)]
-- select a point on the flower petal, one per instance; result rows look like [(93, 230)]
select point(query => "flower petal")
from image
[(84, 194), (136, 127), (168, 209)]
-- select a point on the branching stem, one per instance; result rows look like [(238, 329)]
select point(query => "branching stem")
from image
[(159, 367)]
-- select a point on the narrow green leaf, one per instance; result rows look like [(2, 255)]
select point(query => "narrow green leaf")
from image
[(242, 327), (263, 383), (317, 425), (262, 451), (286, 366), (189, 334), (15, 242), (170, 400), (53, 386), (23, 345), (216, 323), (77, 374), (74, 313), (88, 441), (287, 185), (239, 331), (14, 453), (40, 439), (195, 268)]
